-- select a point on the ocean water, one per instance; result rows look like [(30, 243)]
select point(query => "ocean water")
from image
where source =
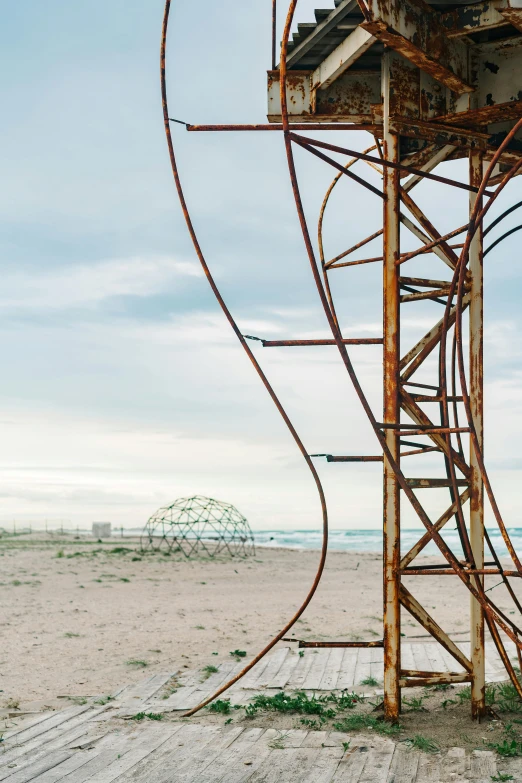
[(371, 540)]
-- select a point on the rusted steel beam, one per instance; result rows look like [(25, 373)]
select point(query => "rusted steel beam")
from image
[(391, 409), (357, 645), (277, 126), (354, 248), (421, 615), (419, 673), (435, 431), (476, 392), (354, 263), (451, 572), (422, 282), (439, 398), (363, 458), (433, 244), (440, 134), (435, 679), (308, 343), (305, 141), (419, 451), (341, 168), (411, 362), (434, 483), (414, 30), (423, 542), (420, 295), (417, 414)]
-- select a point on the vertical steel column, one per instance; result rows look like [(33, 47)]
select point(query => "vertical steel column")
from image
[(391, 522), (476, 364)]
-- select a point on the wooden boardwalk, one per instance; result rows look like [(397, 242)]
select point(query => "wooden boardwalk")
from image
[(92, 743)]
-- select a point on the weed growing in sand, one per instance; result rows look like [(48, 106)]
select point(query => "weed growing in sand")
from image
[(13, 704), (70, 635), (199, 627), (314, 725), (104, 700), (419, 742), (416, 704), (370, 681), (60, 553), (502, 777), (136, 662), (208, 670), (447, 702), (237, 654), (149, 715), (222, 706), (362, 722), (278, 743), (301, 653), (507, 748), (324, 707)]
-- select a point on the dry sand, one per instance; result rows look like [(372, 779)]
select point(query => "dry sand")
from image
[(75, 614)]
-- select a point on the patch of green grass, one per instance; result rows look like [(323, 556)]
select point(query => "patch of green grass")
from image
[(208, 670), (199, 627), (124, 579), (238, 654), (423, 743), (136, 559), (149, 715), (447, 702), (136, 662), (507, 748), (70, 635), (502, 777), (120, 550), (416, 703), (464, 694), (60, 553), (370, 681), (312, 724), (359, 722), (325, 706), (221, 706), (104, 700)]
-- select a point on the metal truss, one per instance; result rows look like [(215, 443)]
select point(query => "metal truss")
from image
[(199, 525), (443, 416)]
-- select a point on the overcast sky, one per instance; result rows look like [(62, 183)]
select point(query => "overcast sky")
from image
[(122, 386)]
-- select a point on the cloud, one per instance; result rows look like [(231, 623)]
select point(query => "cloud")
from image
[(89, 285)]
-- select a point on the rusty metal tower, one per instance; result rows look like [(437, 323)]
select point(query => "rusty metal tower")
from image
[(430, 82)]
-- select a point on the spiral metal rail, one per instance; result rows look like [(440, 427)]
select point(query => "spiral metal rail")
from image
[(446, 437)]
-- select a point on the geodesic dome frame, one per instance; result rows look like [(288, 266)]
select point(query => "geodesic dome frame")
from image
[(199, 524)]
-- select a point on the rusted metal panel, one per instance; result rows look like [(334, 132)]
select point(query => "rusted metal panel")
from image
[(349, 99), (413, 29), (440, 134), (478, 17)]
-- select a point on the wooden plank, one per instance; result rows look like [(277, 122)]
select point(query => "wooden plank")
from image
[(249, 680), (324, 766), (317, 669), (436, 659), (182, 740), (274, 664), (454, 764), (422, 662), (226, 760), (203, 756), (347, 672), (405, 764), (128, 760), (378, 764), (69, 766), (429, 770), (407, 659), (301, 671), (363, 668), (56, 719), (250, 759), (284, 765), (483, 765), (350, 767), (45, 742), (286, 671), (31, 771), (377, 663), (332, 671)]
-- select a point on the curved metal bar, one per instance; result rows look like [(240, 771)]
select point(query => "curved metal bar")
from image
[(258, 369), (502, 217)]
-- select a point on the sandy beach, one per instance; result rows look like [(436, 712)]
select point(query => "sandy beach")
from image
[(81, 619)]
